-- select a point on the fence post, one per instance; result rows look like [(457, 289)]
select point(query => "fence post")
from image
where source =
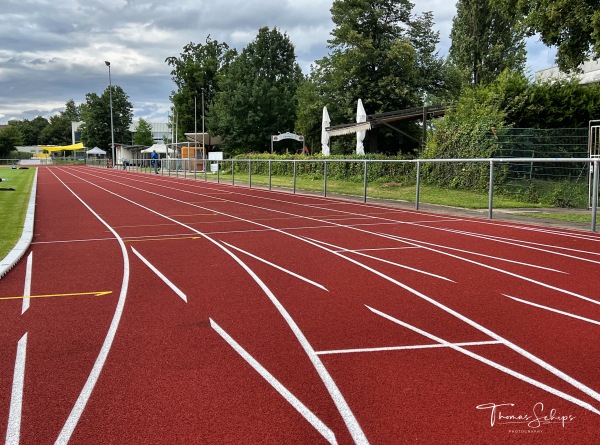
[(270, 174), (249, 173), (294, 176), (418, 186), (232, 174), (595, 195), (325, 179), (365, 182), (491, 199), (218, 171)]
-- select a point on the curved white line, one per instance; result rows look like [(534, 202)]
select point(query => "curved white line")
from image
[(88, 387), (575, 383), (337, 397)]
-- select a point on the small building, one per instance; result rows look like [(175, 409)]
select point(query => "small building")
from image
[(590, 73)]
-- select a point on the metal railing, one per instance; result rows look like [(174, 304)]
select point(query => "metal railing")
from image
[(184, 168)]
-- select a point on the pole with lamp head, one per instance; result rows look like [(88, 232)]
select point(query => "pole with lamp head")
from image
[(112, 131), (203, 146)]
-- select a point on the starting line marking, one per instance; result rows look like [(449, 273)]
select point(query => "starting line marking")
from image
[(168, 282), (402, 348), (97, 294), (489, 362), (282, 390), (161, 239), (277, 267), (13, 431), (550, 309)]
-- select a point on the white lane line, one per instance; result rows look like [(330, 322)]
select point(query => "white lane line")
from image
[(334, 392), (568, 314), (13, 432), (406, 348), (27, 287), (580, 386), (491, 363), (426, 245), (282, 390), (300, 277), (338, 399), (160, 275), (343, 250), (88, 387), (519, 243)]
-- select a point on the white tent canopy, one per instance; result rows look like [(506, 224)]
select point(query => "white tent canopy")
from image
[(361, 116), (160, 149), (324, 135), (95, 151)]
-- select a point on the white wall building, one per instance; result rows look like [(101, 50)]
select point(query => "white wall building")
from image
[(590, 74)]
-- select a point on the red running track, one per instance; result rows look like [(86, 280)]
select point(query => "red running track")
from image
[(157, 310)]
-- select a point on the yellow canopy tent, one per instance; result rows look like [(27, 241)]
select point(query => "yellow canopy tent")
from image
[(72, 147)]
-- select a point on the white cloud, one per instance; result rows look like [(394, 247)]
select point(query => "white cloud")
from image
[(55, 51)]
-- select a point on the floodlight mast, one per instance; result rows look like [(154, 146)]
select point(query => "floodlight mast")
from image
[(112, 131)]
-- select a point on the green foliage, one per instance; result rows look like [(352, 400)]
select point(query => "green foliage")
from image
[(10, 137), (30, 129), (467, 131), (572, 26), (196, 74), (312, 167), (562, 193), (258, 94), (383, 55), (486, 41), (57, 132), (96, 128), (309, 114), (143, 134)]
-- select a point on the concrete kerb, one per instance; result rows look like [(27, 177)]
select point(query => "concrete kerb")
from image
[(24, 242)]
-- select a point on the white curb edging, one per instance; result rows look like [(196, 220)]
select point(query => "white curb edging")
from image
[(26, 237)]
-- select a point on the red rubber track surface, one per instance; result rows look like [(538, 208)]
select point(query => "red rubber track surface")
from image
[(170, 311)]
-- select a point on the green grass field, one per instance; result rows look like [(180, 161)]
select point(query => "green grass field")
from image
[(13, 205)]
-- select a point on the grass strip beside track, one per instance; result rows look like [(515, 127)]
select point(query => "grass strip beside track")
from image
[(13, 205)]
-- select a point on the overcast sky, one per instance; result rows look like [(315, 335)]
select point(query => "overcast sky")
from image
[(53, 51)]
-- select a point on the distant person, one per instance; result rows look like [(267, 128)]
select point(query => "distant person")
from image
[(154, 161), (305, 151)]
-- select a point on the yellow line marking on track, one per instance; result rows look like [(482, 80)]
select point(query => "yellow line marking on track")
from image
[(97, 294)]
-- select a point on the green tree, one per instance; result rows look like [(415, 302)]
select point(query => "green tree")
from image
[(486, 40), (96, 129), (573, 26), (57, 132), (195, 71), (467, 131), (309, 115), (382, 54), (30, 129), (143, 134), (72, 112), (258, 94), (10, 137), (59, 129)]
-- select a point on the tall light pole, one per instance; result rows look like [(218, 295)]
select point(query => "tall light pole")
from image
[(112, 130), (203, 146)]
